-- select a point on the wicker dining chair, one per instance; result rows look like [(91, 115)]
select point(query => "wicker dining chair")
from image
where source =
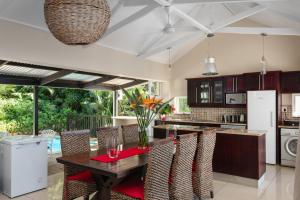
[(77, 183), (130, 133), (156, 186), (104, 132), (181, 187), (202, 173)]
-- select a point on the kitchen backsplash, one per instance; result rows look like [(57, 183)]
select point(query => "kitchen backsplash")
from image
[(215, 114), (288, 114), (210, 114)]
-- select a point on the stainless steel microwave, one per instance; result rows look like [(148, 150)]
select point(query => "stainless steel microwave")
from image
[(237, 98)]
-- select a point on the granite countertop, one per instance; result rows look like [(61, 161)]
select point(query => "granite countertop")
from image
[(203, 122), (289, 127), (219, 130)]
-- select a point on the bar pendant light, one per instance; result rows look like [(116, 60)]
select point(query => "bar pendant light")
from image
[(263, 59), (210, 61)]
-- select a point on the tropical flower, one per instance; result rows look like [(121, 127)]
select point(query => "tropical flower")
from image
[(145, 108)]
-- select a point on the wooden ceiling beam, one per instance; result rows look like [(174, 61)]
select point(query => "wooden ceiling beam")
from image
[(141, 13), (56, 76), (260, 30), (239, 16), (98, 81), (172, 44), (131, 84)]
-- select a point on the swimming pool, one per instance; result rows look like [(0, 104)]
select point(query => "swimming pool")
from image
[(56, 144)]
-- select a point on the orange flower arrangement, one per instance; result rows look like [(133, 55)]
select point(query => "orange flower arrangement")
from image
[(145, 108)]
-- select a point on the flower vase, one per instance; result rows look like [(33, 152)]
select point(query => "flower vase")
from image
[(143, 139)]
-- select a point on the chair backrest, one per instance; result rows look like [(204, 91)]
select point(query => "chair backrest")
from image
[(181, 172), (73, 142), (203, 185), (130, 133), (104, 132), (205, 148), (158, 169)]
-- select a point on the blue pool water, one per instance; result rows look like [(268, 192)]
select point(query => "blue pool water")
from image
[(56, 145)]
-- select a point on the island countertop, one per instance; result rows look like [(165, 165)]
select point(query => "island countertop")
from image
[(203, 122), (200, 129)]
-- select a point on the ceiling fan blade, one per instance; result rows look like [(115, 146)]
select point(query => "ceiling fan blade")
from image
[(260, 30)]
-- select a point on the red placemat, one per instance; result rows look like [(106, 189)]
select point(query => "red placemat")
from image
[(123, 154)]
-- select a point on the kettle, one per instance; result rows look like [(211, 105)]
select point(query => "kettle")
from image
[(242, 118)]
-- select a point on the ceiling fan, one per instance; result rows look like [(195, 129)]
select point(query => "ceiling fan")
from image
[(169, 28)]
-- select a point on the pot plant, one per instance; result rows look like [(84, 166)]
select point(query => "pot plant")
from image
[(146, 108), (167, 110)]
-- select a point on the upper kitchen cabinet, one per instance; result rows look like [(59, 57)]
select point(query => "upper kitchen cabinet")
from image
[(271, 81), (192, 92), (205, 92), (252, 81), (256, 81), (290, 82), (234, 84)]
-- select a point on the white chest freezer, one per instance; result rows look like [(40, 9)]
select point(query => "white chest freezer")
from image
[(23, 164)]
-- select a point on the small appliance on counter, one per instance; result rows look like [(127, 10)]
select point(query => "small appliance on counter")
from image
[(291, 122), (236, 98), (234, 118)]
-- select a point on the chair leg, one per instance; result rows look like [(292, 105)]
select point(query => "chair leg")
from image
[(212, 194)]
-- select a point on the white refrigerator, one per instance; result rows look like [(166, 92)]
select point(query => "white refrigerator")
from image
[(23, 165), (261, 111)]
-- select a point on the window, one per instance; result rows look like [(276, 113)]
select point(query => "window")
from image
[(296, 105), (123, 104), (181, 106)]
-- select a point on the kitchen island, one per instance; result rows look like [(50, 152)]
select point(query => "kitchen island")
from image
[(239, 155)]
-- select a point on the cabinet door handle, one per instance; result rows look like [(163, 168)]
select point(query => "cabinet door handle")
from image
[(258, 82), (211, 94), (196, 95), (233, 83), (236, 84)]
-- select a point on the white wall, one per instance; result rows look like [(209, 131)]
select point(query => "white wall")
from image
[(236, 54), (26, 44)]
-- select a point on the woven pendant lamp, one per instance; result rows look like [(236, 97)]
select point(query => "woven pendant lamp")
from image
[(77, 22)]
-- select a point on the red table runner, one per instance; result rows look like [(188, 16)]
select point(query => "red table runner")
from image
[(123, 154)]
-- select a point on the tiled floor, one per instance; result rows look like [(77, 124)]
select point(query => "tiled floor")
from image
[(277, 186)]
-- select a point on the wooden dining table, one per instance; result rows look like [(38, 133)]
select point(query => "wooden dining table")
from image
[(106, 175)]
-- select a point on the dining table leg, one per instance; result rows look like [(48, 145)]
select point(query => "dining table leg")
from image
[(104, 187)]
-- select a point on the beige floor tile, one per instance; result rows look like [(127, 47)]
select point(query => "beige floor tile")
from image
[(3, 197), (282, 187), (218, 185)]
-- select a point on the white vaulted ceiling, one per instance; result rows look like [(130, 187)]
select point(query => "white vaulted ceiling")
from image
[(136, 25)]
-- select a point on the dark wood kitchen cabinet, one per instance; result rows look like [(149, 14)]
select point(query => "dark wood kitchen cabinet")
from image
[(271, 81), (252, 81), (192, 92), (234, 84), (290, 82), (240, 155), (257, 81), (206, 92)]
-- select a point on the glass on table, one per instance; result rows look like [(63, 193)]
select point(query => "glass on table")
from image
[(112, 147)]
